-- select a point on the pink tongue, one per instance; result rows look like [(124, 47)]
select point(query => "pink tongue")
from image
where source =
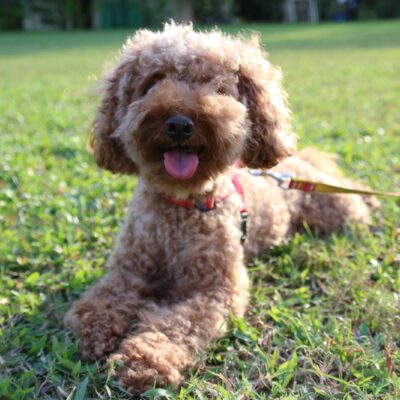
[(180, 164)]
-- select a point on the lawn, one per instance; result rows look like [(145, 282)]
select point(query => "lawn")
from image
[(324, 321)]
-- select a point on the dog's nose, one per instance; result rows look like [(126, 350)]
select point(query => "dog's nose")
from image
[(179, 127)]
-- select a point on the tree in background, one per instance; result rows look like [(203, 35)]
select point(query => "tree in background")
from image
[(11, 13), (211, 12), (259, 10), (372, 9), (78, 14)]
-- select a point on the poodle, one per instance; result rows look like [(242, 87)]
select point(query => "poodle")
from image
[(189, 112)]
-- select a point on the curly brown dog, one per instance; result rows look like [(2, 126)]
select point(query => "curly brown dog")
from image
[(182, 109)]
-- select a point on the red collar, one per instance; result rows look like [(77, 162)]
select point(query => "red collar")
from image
[(190, 203), (210, 202)]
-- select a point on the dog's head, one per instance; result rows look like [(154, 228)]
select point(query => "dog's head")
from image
[(181, 106)]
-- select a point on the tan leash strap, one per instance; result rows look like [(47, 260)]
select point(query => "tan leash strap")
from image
[(288, 181)]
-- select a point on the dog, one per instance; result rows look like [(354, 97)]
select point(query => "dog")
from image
[(189, 112)]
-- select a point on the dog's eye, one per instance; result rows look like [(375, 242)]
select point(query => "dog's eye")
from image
[(221, 90), (150, 82)]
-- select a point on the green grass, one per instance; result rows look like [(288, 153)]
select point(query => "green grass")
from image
[(324, 321)]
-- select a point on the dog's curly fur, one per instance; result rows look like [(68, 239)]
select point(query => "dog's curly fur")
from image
[(176, 274)]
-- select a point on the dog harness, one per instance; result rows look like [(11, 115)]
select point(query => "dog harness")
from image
[(211, 202)]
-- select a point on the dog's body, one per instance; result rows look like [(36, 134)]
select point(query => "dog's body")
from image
[(176, 272)]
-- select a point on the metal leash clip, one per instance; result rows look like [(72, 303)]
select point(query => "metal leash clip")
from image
[(283, 179)]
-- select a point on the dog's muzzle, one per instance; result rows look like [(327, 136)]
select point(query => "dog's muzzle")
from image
[(179, 128)]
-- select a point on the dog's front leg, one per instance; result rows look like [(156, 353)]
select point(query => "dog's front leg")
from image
[(170, 335), (101, 318), (167, 340)]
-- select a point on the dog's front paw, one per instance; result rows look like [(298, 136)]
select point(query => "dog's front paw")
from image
[(147, 359), (99, 331)]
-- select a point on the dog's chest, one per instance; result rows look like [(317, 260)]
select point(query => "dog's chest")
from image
[(186, 248)]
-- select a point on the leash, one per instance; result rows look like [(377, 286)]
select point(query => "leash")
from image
[(288, 181), (243, 211)]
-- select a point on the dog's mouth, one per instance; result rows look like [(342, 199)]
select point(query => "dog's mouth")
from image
[(181, 162)]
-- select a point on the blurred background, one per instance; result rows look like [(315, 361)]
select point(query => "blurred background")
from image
[(325, 311), (96, 14)]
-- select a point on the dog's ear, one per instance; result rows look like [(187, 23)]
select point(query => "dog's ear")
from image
[(270, 138), (108, 149)]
